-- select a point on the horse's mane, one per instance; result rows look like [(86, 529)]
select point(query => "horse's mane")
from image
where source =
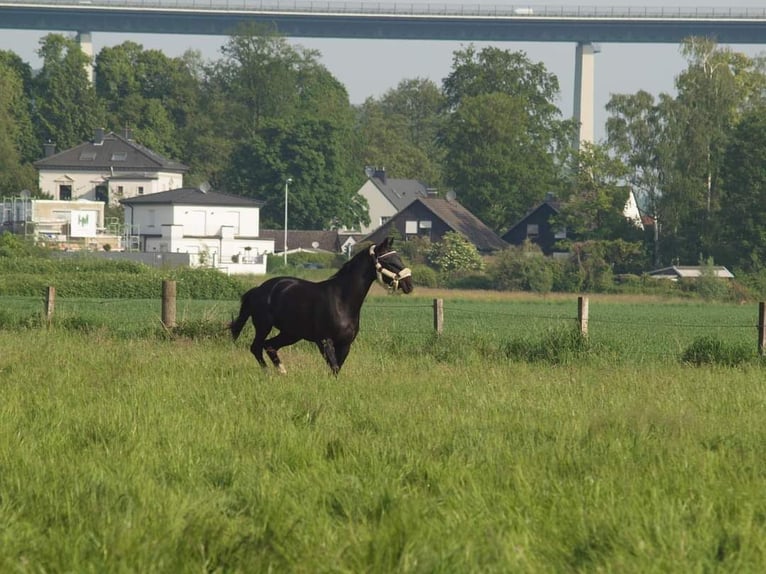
[(352, 264)]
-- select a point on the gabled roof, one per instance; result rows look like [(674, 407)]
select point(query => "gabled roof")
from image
[(309, 240), (464, 222), (552, 206), (110, 151), (454, 216), (400, 192), (192, 196)]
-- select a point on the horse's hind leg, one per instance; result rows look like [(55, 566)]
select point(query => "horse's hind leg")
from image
[(256, 348), (274, 344)]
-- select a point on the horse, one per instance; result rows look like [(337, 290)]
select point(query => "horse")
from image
[(325, 313)]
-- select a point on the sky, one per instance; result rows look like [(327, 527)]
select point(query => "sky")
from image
[(369, 68)]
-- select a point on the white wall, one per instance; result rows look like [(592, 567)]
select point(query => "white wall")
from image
[(379, 206), (84, 183)]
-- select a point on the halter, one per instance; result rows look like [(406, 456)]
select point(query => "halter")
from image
[(381, 271)]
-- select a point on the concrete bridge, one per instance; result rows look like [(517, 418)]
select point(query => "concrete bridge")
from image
[(585, 26)]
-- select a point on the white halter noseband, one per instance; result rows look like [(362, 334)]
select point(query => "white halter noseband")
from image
[(381, 271)]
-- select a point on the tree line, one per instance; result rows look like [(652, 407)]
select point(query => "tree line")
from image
[(266, 110)]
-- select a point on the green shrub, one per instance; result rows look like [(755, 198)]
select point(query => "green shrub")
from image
[(557, 346), (468, 281), (712, 351), (424, 276)]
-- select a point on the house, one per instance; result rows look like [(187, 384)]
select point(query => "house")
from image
[(215, 229), (331, 241), (66, 225), (537, 226), (387, 196), (676, 272), (109, 168), (432, 217)]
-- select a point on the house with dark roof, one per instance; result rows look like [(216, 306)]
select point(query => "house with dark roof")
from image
[(387, 196), (538, 227), (432, 217), (216, 229), (108, 168)]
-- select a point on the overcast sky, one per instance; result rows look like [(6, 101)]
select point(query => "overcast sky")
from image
[(368, 68)]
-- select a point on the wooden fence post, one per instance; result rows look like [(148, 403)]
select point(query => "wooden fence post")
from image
[(438, 316), (169, 303), (582, 315), (762, 328), (50, 303)]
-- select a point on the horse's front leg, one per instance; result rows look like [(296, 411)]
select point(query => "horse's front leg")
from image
[(327, 348)]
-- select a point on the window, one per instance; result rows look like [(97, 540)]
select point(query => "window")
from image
[(385, 219), (119, 156), (560, 233), (120, 189), (65, 192), (102, 193), (140, 190), (87, 156), (410, 227), (533, 230)]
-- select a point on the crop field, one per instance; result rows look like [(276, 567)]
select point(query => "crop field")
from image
[(124, 448)]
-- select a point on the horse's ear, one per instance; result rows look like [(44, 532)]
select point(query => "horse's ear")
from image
[(384, 245)]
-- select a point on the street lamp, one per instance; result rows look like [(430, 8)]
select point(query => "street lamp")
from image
[(288, 181)]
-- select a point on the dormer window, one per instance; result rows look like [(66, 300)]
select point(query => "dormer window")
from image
[(119, 156), (87, 156)]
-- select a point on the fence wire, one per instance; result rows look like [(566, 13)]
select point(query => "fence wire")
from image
[(657, 329)]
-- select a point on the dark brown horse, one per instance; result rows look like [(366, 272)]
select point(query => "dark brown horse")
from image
[(326, 313)]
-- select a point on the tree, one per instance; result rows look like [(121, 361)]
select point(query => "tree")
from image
[(715, 89), (150, 93), (496, 169), (593, 205), (15, 175), (67, 109), (741, 239), (504, 137), (401, 132), (323, 192), (455, 254), (637, 134)]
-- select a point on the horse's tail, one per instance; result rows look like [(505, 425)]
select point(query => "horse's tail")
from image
[(238, 324)]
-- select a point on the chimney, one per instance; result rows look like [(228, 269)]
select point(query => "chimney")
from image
[(49, 149), (380, 173), (98, 136), (128, 133)]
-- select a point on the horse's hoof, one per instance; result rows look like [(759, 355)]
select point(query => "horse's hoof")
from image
[(282, 370)]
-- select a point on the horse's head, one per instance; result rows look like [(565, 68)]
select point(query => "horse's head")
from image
[(389, 268)]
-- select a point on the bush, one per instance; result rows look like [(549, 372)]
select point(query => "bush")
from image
[(556, 347), (523, 268), (469, 281), (712, 351), (424, 276)]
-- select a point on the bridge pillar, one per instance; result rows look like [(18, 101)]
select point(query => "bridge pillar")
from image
[(85, 40), (584, 96)]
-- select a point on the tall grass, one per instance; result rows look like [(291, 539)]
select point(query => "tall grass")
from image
[(180, 456)]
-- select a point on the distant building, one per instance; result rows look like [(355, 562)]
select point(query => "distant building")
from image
[(676, 272), (538, 227), (109, 168), (432, 217), (387, 196), (215, 229)]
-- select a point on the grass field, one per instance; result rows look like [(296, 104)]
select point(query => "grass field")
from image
[(121, 452)]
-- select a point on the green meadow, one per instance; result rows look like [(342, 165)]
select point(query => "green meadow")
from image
[(125, 447)]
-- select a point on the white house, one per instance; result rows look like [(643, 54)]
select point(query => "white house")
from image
[(217, 229), (109, 168), (387, 196)]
